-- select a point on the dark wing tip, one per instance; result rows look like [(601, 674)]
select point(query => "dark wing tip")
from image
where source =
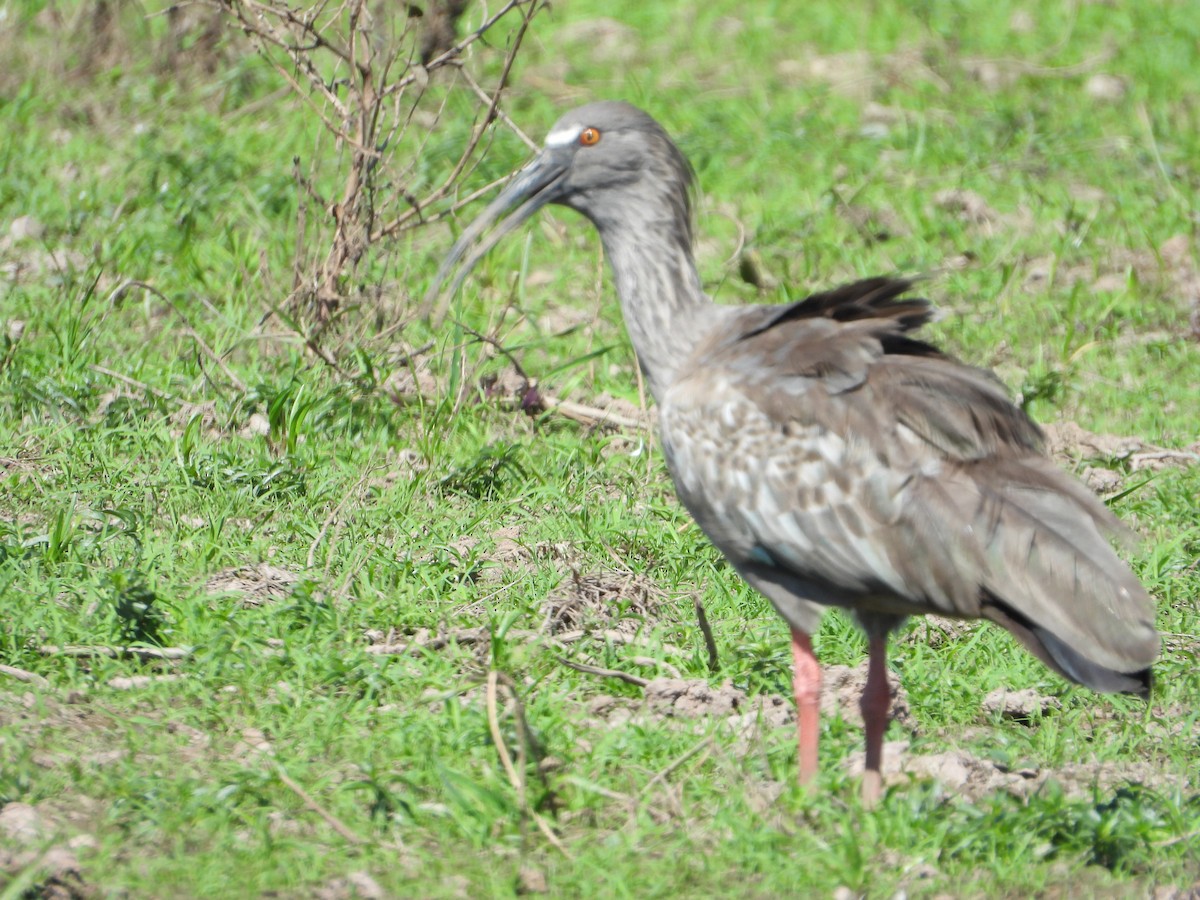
[(1145, 683), (882, 297)]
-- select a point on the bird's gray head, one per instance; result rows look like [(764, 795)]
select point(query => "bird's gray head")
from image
[(607, 160)]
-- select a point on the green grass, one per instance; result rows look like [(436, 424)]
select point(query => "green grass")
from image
[(122, 495)]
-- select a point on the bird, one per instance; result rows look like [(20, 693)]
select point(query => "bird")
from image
[(835, 458)]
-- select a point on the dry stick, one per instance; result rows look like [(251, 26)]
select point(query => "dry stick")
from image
[(208, 351), (401, 221), (501, 748), (439, 313), (333, 821), (590, 415), (517, 780), (703, 745), (27, 677), (618, 637), (144, 653), (329, 520), (500, 114), (262, 33), (134, 682), (1179, 839), (476, 137), (657, 664), (604, 673), (134, 383), (706, 630)]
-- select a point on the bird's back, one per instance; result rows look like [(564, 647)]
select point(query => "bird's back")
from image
[(835, 458)]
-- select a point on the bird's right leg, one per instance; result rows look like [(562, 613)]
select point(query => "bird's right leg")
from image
[(806, 683), (875, 703)]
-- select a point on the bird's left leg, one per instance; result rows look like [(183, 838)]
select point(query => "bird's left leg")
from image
[(875, 704)]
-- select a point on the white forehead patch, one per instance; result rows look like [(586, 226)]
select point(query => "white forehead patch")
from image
[(564, 136)]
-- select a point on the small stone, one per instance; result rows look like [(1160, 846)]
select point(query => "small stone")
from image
[(59, 863), (1108, 88), (253, 744), (967, 205), (1021, 22), (532, 881), (1176, 250), (21, 822), (1021, 706), (256, 425), (365, 886), (25, 228), (83, 842), (1102, 481)]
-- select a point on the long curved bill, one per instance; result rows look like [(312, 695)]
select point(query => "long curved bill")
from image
[(531, 188)]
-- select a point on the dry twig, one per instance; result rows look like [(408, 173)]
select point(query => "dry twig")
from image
[(333, 821), (709, 642), (22, 675), (356, 68), (604, 673), (77, 651), (591, 415), (517, 778)]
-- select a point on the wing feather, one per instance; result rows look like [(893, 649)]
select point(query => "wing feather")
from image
[(896, 479)]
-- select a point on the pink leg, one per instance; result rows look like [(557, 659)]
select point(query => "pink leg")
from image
[(875, 704), (806, 683)]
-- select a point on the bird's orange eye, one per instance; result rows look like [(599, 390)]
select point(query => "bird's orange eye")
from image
[(589, 136)]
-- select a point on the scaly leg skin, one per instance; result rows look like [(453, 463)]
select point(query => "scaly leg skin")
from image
[(806, 683), (875, 703)]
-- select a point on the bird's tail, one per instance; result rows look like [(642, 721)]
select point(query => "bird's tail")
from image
[(1055, 582)]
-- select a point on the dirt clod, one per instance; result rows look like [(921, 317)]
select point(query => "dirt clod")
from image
[(22, 823), (842, 688), (966, 205), (365, 886), (935, 631), (1106, 88), (967, 776), (1020, 706), (622, 601), (1068, 442), (1101, 481), (692, 698), (532, 881), (258, 584)]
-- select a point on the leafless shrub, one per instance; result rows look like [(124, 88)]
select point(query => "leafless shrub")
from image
[(364, 71)]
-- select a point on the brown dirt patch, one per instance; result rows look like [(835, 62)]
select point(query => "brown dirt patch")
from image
[(842, 686), (686, 698), (1171, 267), (965, 775), (874, 224), (966, 205), (622, 601), (503, 551), (935, 631), (258, 584), (24, 833), (1068, 442), (689, 698), (858, 74), (354, 886), (1025, 706)]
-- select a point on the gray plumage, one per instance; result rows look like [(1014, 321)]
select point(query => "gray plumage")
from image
[(834, 458)]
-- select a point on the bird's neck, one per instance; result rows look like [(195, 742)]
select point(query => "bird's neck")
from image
[(664, 304)]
